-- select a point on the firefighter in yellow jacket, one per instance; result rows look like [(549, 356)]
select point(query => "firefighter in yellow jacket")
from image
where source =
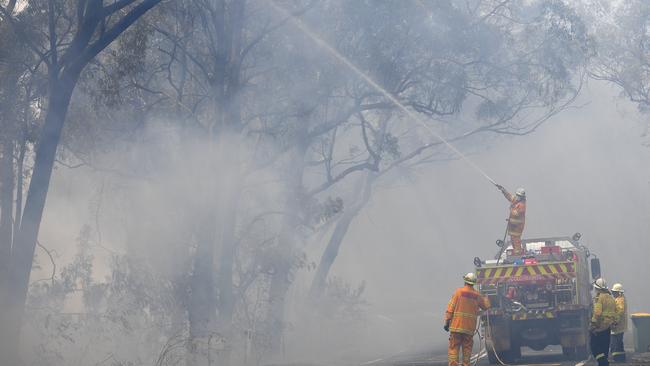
[(602, 319), (517, 218), (616, 346), (461, 317)]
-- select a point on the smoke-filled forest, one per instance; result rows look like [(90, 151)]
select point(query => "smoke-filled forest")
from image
[(258, 182)]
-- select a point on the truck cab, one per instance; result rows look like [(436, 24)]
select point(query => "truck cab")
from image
[(538, 299)]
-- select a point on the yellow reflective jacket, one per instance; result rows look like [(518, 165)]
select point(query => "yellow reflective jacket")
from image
[(463, 309), (621, 316), (517, 218), (604, 312)]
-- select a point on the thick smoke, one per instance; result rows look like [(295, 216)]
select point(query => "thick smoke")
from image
[(122, 270)]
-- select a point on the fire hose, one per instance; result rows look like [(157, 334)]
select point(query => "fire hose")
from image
[(483, 339), (489, 331)]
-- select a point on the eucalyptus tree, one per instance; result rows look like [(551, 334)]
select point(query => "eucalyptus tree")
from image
[(622, 37), (14, 75), (64, 36)]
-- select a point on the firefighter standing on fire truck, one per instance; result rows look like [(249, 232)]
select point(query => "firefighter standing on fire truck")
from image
[(517, 217), (461, 317)]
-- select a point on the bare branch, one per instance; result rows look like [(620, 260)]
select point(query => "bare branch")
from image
[(52, 29), (111, 34), (272, 28), (69, 166), (49, 254), (341, 175), (206, 73), (364, 134), (117, 6)]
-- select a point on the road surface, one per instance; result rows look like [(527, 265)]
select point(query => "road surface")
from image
[(549, 357)]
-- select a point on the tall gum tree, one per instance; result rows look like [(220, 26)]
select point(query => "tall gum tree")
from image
[(76, 32)]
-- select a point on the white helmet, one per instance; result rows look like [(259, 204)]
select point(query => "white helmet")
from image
[(617, 288), (600, 284), (520, 192), (470, 279)]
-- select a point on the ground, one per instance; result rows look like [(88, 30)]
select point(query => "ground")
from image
[(547, 357)]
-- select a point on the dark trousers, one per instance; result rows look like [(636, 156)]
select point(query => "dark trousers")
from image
[(599, 343), (616, 347)]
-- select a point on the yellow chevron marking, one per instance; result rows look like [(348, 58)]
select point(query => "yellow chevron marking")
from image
[(488, 273), (509, 271), (520, 270), (498, 272), (563, 268), (553, 268), (542, 270)]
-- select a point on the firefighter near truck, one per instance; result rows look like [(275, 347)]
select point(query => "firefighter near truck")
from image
[(539, 299)]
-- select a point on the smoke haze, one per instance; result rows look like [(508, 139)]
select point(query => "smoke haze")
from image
[(199, 183), (584, 171)]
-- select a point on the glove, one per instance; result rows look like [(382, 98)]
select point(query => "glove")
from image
[(446, 327)]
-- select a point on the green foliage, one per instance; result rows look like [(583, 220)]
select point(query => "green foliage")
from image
[(390, 146), (125, 319), (77, 276), (623, 41)]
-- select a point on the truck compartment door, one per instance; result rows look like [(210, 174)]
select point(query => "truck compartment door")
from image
[(595, 268)]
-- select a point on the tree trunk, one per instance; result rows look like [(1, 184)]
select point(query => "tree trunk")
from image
[(6, 229), (280, 283), (226, 295), (334, 244), (202, 300), (227, 24), (284, 260), (7, 182), (25, 240), (9, 76), (20, 167), (232, 120)]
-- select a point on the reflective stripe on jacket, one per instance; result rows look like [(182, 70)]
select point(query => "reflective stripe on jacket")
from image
[(463, 309), (604, 312), (517, 218), (621, 316)]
